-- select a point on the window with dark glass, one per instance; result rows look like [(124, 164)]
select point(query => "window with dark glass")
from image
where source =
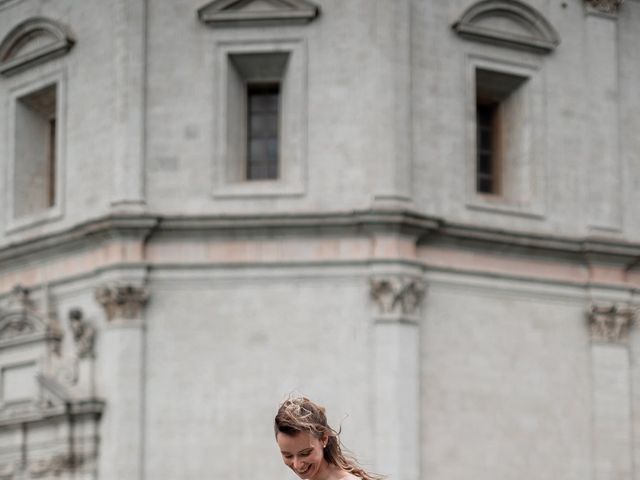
[(51, 183), (263, 111), (487, 167)]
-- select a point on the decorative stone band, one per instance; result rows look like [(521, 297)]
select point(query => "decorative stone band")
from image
[(605, 6), (397, 294), (611, 323), (55, 465), (123, 302)]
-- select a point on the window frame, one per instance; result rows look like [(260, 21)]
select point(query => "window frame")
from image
[(56, 210), (229, 159), (526, 195)]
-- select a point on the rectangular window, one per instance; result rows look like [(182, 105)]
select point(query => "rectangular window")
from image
[(499, 115), (487, 168), (263, 118), (254, 115), (260, 143), (35, 152)]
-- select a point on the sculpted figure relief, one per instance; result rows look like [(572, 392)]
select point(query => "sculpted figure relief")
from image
[(83, 333)]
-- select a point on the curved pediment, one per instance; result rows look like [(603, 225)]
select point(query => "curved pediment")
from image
[(22, 327), (33, 41), (257, 12), (508, 23), (20, 322)]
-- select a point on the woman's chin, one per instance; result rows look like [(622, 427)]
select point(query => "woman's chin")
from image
[(307, 474)]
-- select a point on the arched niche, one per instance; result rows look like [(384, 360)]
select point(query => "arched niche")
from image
[(508, 23), (32, 42)]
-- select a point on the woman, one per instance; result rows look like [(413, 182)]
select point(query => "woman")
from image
[(310, 447)]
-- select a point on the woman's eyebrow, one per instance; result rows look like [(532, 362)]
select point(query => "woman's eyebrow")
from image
[(299, 451)]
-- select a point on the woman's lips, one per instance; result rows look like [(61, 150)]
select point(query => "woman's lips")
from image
[(304, 471)]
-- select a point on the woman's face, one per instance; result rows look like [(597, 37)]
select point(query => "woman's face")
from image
[(302, 453)]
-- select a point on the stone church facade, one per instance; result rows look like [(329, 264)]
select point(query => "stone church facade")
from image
[(423, 214)]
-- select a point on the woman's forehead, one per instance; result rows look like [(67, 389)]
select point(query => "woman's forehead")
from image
[(299, 441)]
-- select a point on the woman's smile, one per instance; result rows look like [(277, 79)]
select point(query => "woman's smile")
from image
[(302, 453)]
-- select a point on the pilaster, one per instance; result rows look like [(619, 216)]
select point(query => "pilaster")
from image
[(130, 72), (397, 300), (602, 133), (611, 391), (393, 38), (121, 376)]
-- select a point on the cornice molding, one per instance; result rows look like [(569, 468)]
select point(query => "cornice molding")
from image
[(405, 222)]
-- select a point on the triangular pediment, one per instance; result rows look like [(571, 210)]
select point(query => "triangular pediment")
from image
[(508, 23), (221, 13), (33, 41)]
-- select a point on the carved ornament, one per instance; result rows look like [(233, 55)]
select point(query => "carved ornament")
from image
[(234, 13), (20, 320), (122, 301), (54, 465), (83, 333), (397, 294), (605, 6), (508, 23), (32, 42), (611, 323)]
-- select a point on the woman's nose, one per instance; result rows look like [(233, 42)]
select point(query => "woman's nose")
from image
[(297, 463)]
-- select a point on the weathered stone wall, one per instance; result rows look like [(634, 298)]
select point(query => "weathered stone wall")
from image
[(451, 334)]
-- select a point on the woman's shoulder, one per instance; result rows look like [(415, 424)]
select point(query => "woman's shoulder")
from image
[(348, 476)]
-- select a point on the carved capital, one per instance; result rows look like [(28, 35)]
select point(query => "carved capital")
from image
[(605, 6), (611, 323), (122, 301), (397, 294)]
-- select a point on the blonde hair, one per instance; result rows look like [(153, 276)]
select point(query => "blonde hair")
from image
[(299, 414)]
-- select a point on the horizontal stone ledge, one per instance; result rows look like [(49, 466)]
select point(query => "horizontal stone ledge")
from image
[(79, 408), (424, 229)]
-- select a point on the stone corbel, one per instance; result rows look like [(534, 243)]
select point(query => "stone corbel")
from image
[(609, 7), (397, 295), (611, 323), (122, 302)]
